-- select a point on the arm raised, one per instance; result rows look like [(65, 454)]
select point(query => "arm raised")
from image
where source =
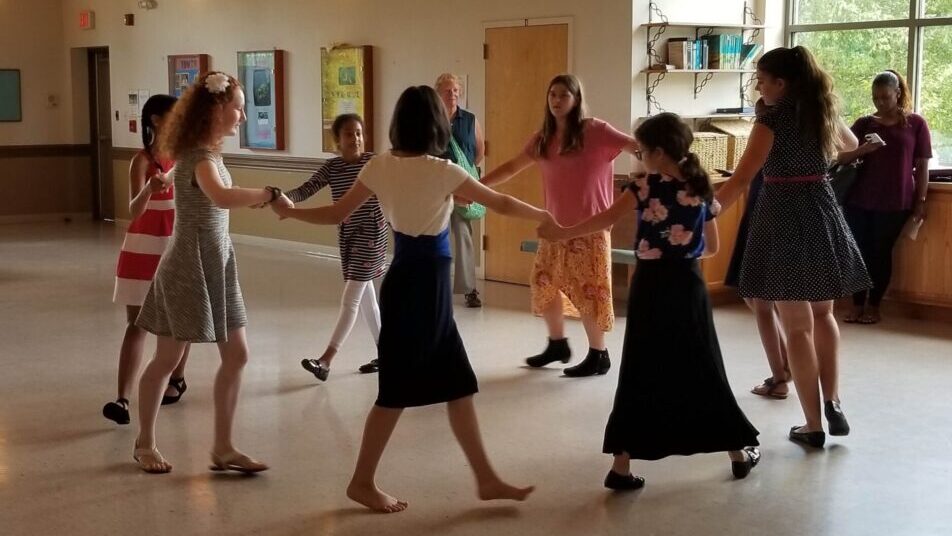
[(208, 179), (623, 204), (497, 202), (507, 171), (752, 161)]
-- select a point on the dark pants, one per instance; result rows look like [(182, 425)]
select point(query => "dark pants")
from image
[(876, 232)]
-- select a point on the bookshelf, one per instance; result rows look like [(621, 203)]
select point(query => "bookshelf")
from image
[(750, 27)]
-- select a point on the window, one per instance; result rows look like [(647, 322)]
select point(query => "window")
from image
[(856, 39)]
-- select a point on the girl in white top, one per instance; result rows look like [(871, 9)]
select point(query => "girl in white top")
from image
[(422, 358)]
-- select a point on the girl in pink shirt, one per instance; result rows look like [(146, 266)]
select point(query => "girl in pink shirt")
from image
[(575, 156)]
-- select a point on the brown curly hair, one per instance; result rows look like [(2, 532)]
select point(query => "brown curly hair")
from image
[(193, 116)]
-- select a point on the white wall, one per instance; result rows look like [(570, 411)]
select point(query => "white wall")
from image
[(31, 40), (414, 41), (676, 92)]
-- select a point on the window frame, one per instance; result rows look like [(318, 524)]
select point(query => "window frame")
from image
[(915, 24)]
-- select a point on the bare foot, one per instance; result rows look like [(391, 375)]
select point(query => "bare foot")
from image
[(150, 460), (500, 490), (373, 498)]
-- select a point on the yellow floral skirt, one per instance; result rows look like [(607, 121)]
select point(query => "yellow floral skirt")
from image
[(577, 272)]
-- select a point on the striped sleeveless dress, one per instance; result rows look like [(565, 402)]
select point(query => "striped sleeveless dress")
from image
[(196, 296), (145, 241)]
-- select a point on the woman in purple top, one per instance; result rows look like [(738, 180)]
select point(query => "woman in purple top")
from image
[(891, 185)]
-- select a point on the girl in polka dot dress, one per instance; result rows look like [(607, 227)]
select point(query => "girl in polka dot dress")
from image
[(799, 251)]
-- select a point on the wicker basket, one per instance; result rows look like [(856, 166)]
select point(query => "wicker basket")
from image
[(738, 132), (711, 149)]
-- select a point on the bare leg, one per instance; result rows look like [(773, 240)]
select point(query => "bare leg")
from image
[(234, 356), (179, 371), (130, 353), (554, 319), (466, 429), (797, 321), (775, 346), (596, 337), (363, 486), (621, 464), (827, 339), (153, 382)]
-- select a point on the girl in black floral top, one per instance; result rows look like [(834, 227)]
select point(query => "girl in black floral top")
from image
[(673, 397)]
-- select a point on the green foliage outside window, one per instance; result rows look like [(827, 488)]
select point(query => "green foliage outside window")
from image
[(854, 57)]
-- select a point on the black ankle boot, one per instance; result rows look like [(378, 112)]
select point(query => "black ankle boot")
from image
[(596, 362), (557, 350)]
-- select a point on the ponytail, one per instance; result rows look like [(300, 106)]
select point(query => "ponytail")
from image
[(811, 90), (893, 80), (666, 131), (699, 181)]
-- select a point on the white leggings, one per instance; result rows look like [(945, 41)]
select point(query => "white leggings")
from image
[(357, 295)]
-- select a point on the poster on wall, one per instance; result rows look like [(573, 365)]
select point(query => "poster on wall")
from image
[(183, 70), (10, 105), (262, 75), (346, 87)]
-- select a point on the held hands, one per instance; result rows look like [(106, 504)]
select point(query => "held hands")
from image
[(459, 200), (281, 206), (550, 229), (159, 183)]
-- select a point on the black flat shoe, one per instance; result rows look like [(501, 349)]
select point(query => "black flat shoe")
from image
[(812, 439), (627, 482), (742, 469), (369, 368), (556, 350), (179, 385), (596, 362), (316, 368), (835, 418), (117, 411), (473, 301)]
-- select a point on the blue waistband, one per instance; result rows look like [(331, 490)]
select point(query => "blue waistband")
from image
[(423, 245)]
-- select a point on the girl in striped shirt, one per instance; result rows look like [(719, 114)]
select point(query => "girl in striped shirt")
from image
[(152, 211), (362, 239)]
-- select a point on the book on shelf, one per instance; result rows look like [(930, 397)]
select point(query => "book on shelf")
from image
[(748, 53), (735, 110), (688, 54)]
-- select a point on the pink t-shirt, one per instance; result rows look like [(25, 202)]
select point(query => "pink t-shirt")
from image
[(579, 184)]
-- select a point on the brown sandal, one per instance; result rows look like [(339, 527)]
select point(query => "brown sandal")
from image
[(769, 389)]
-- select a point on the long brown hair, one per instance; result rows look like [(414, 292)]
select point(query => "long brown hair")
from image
[(893, 80), (573, 138), (193, 116), (811, 90), (666, 131)]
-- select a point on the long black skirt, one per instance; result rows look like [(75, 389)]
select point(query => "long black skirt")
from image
[(673, 397), (421, 355)]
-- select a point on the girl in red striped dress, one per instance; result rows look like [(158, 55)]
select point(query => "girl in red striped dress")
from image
[(152, 210)]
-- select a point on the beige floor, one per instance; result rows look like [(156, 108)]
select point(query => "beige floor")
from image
[(65, 470)]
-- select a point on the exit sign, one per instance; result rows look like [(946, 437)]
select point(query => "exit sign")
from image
[(87, 20)]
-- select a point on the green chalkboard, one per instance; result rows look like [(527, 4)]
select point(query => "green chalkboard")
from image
[(10, 109)]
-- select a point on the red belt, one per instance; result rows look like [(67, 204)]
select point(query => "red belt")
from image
[(803, 178)]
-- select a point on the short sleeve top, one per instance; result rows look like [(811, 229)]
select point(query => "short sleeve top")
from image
[(670, 219), (792, 154)]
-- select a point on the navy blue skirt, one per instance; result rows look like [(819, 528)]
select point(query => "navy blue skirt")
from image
[(421, 355)]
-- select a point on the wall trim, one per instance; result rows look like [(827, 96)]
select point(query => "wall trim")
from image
[(249, 161), (59, 217), (44, 151)]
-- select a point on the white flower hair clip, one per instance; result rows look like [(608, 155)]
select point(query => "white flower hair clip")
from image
[(217, 83)]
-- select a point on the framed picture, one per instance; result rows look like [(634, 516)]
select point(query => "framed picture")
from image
[(183, 70), (347, 87), (11, 109), (262, 75)]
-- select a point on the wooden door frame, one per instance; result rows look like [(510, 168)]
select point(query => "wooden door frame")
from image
[(570, 63)]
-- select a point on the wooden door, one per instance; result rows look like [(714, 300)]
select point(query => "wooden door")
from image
[(520, 62)]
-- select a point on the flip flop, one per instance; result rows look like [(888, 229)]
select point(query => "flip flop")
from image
[(771, 389)]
